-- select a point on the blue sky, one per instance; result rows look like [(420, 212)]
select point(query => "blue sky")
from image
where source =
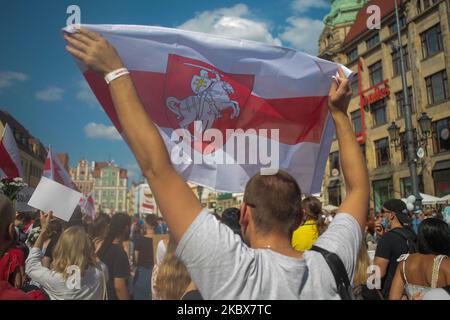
[(41, 86)]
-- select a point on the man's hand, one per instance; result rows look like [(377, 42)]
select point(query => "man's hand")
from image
[(353, 165), (141, 133), (94, 50), (340, 94)]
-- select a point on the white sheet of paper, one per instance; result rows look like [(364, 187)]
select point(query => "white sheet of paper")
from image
[(53, 196)]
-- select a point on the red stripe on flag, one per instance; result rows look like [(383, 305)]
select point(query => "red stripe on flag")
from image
[(7, 164), (300, 119), (147, 206)]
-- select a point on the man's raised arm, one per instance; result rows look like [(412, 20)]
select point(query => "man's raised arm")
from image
[(175, 198), (353, 165)]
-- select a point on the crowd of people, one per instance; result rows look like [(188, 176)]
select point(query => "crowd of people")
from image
[(117, 259), (275, 246)]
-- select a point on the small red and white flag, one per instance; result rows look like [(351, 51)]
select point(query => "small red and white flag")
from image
[(54, 170), (240, 89), (10, 164), (87, 205)]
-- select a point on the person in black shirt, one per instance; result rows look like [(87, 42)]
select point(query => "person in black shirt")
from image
[(400, 239), (114, 256), (145, 260)]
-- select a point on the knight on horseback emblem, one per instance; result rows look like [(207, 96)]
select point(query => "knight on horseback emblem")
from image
[(211, 97)]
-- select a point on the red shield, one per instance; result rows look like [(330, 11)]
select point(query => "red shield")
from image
[(180, 74)]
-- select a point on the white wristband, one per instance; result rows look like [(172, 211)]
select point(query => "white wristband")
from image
[(116, 74)]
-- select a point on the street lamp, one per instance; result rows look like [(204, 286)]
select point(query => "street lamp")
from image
[(394, 133), (422, 139), (409, 132), (425, 124)]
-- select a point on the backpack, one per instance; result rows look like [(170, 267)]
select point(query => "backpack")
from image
[(337, 268), (410, 241)]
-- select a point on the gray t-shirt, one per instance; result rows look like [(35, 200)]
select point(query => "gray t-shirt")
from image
[(223, 267)]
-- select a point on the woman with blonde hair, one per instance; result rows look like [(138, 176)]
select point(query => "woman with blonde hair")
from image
[(173, 281), (360, 289), (75, 273)]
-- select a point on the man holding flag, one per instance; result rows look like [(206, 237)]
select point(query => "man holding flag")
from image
[(220, 264)]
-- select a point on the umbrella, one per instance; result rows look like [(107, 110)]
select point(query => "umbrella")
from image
[(428, 199), (444, 199)]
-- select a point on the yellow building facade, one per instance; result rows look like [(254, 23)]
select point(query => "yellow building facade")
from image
[(378, 99)]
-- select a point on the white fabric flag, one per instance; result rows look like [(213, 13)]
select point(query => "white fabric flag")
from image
[(243, 90), (10, 164), (53, 169)]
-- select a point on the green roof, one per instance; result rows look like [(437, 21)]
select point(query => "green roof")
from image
[(343, 11)]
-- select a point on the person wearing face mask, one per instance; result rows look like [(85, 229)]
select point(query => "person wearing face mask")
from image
[(398, 239)]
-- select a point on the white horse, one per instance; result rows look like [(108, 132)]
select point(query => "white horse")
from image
[(206, 107)]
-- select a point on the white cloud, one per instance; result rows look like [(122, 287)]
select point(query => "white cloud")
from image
[(7, 78), (100, 131), (50, 94), (303, 6), (234, 22), (85, 95), (303, 34)]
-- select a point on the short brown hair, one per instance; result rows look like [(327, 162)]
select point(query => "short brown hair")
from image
[(152, 220), (276, 202)]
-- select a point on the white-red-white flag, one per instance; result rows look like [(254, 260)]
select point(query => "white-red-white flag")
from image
[(241, 89), (10, 164), (87, 205), (53, 169)]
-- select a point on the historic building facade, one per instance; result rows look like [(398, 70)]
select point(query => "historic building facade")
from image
[(32, 151), (378, 99), (110, 187), (82, 176)]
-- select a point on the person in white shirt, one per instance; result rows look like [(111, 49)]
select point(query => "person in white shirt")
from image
[(75, 273), (220, 264)]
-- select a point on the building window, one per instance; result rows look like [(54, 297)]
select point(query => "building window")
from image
[(356, 121), (393, 26), (396, 62), (431, 41), (354, 84), (404, 145), (363, 150), (334, 164), (441, 182), (406, 186), (399, 98), (334, 195), (382, 152), (376, 73), (352, 55), (441, 136), (423, 5), (373, 41), (383, 190), (378, 110), (437, 87)]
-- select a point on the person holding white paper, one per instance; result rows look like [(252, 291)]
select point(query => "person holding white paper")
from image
[(75, 272)]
